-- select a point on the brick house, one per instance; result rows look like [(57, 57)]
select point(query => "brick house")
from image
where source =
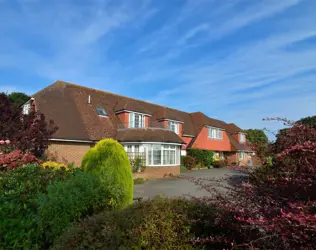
[(85, 116)]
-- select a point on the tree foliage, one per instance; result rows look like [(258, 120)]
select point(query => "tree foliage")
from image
[(18, 98), (28, 133), (309, 121), (258, 139)]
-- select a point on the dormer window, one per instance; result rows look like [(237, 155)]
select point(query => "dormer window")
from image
[(173, 126), (26, 108), (101, 112), (242, 138), (215, 133), (136, 120)]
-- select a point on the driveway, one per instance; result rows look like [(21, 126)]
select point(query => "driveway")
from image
[(174, 187)]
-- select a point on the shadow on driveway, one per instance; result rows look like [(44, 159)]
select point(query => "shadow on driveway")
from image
[(175, 187)]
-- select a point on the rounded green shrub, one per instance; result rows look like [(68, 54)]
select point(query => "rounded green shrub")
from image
[(109, 161)]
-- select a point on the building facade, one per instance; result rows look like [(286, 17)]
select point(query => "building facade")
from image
[(160, 134)]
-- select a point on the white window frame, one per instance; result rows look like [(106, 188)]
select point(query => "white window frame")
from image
[(173, 126), (241, 155), (215, 133), (242, 138), (132, 121), (26, 108), (148, 148)]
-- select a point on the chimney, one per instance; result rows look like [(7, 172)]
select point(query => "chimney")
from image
[(89, 99)]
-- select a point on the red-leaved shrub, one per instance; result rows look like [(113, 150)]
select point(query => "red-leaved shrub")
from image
[(16, 159), (189, 162), (275, 210)]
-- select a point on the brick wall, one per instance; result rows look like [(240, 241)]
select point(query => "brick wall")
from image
[(203, 142), (233, 157), (158, 172), (68, 152)]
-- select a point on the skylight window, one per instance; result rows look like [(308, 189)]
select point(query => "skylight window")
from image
[(101, 112)]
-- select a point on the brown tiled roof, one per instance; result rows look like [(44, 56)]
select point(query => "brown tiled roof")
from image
[(147, 135), (236, 146), (131, 105), (233, 128), (67, 105)]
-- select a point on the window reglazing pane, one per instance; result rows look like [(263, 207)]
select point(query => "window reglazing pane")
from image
[(157, 155), (101, 112)]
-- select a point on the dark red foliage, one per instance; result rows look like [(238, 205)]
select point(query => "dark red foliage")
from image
[(189, 162), (28, 133), (16, 159), (276, 210)]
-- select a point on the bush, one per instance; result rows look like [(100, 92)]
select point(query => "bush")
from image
[(20, 189), (189, 162), (109, 160), (68, 201), (203, 157), (139, 181), (154, 224), (220, 164), (54, 165), (137, 164), (16, 159)]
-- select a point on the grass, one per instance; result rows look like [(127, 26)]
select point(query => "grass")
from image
[(183, 169)]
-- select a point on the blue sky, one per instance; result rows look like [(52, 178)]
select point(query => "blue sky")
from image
[(234, 60)]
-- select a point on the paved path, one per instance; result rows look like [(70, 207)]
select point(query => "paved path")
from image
[(173, 187)]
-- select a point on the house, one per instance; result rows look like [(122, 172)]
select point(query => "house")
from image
[(160, 134)]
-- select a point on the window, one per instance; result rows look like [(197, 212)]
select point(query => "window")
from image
[(156, 155), (160, 154), (26, 109), (215, 133), (241, 155), (129, 149), (136, 120), (173, 126), (242, 138), (101, 112)]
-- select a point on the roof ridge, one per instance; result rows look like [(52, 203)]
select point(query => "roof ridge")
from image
[(103, 91)]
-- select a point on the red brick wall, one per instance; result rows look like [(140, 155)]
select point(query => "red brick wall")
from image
[(65, 152), (234, 157), (158, 172), (124, 116), (203, 142)]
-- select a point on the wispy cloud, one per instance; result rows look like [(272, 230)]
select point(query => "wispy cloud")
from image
[(235, 60)]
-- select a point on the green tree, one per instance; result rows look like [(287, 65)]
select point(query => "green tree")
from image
[(18, 98), (109, 160), (258, 138), (310, 120)]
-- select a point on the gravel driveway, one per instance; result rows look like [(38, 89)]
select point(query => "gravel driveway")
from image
[(173, 187)]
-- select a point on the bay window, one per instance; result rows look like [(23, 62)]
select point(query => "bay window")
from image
[(155, 154), (215, 133)]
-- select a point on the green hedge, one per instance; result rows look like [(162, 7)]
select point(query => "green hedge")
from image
[(20, 189), (109, 160), (202, 157), (67, 202), (154, 224)]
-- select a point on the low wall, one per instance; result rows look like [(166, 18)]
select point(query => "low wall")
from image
[(158, 172)]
